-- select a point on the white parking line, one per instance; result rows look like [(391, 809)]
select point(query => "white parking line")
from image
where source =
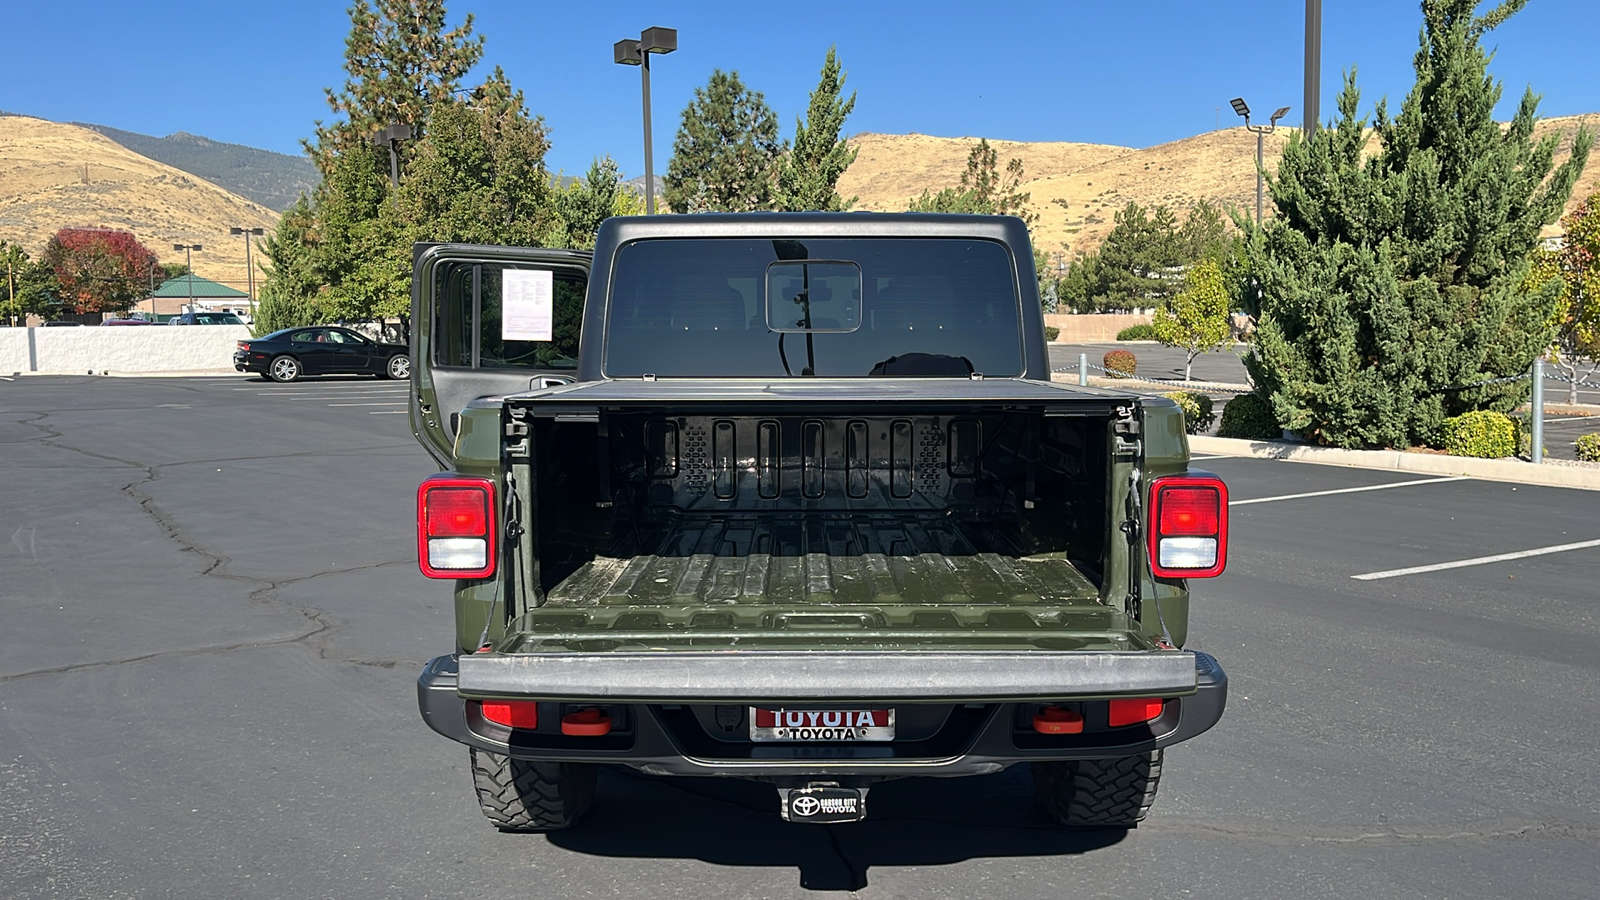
[(1354, 490), (388, 412), (380, 403), (1477, 561), (353, 394)]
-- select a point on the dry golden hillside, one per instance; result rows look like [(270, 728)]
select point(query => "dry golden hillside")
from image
[(53, 176), (1096, 180)]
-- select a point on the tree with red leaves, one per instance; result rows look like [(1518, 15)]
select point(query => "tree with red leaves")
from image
[(99, 269)]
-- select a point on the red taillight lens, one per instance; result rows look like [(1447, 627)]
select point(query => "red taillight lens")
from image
[(1188, 534), (458, 512), (512, 713), (1189, 511), (456, 527), (244, 345), (1132, 712)]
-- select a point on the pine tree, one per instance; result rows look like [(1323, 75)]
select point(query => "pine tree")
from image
[(726, 153), (808, 178), (1390, 285), (590, 200), (400, 60), (983, 190)]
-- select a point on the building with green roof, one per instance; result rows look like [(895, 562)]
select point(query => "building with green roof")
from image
[(176, 295)]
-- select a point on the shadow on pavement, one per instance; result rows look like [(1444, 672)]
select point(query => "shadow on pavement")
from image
[(912, 822)]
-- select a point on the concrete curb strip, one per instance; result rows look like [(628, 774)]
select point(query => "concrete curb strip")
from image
[(1393, 460)]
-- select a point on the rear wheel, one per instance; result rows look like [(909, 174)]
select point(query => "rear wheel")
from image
[(399, 367), (527, 795), (1098, 793), (284, 369)]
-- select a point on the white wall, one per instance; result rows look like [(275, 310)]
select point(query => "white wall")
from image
[(123, 349)]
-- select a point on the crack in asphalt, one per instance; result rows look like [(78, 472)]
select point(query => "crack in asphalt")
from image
[(216, 566)]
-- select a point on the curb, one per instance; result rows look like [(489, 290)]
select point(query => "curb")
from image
[(1516, 471)]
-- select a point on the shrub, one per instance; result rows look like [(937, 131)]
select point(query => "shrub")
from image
[(1051, 332), (1120, 363), (1589, 447), (1249, 416), (1483, 433), (1197, 414), (1140, 332)]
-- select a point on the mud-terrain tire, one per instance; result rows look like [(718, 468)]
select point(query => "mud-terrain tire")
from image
[(526, 795), (1098, 793), (284, 369)]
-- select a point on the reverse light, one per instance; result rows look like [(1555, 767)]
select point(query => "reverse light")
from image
[(456, 527), (1188, 534), (512, 713), (1132, 712)]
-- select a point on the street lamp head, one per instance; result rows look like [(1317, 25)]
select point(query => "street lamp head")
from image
[(180, 246), (1241, 107), (1282, 111), (659, 40), (627, 53)]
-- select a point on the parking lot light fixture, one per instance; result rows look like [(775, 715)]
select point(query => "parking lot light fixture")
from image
[(188, 263), (249, 272), (637, 53), (390, 136), (1243, 109)]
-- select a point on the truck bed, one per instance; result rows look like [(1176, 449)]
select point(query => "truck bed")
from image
[(839, 559)]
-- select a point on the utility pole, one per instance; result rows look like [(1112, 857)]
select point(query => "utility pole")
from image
[(1313, 65)]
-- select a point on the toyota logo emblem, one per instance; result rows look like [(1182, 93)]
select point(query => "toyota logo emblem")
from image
[(805, 806)]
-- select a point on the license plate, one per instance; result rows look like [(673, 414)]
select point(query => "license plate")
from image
[(779, 724)]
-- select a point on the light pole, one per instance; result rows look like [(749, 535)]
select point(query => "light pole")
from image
[(249, 272), (188, 263), (637, 53), (1313, 65), (391, 137), (1243, 109)]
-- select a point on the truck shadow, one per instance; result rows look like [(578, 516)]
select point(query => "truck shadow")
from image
[(911, 822)]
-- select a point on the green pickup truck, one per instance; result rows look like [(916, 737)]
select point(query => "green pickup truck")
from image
[(792, 498)]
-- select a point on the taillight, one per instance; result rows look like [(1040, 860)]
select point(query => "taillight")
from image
[(244, 345), (1188, 533), (1132, 712), (512, 713), (456, 527)]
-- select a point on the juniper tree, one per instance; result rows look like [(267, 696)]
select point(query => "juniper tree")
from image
[(808, 178), (1389, 286), (726, 153)]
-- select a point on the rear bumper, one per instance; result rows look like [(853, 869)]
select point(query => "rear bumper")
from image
[(657, 740)]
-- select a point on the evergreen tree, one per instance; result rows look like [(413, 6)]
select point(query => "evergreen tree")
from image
[(808, 178), (400, 60), (983, 190), (590, 200), (726, 154), (1139, 259), (1391, 285)]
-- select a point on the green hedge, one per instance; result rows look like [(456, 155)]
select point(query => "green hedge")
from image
[(1197, 414), (1589, 447), (1483, 434), (1141, 332), (1249, 416), (1051, 332), (1120, 363)]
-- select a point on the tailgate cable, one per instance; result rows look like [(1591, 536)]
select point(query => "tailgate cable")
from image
[(1131, 527), (513, 534)]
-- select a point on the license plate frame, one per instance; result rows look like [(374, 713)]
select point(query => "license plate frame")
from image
[(772, 724)]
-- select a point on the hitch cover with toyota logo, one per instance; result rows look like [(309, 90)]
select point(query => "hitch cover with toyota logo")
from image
[(825, 805)]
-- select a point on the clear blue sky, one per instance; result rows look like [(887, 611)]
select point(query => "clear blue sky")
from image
[(1130, 73)]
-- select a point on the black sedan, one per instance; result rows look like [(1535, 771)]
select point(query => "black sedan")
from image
[(320, 350)]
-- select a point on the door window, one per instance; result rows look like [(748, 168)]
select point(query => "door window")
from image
[(469, 330)]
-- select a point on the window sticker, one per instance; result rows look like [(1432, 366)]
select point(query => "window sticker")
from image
[(528, 305)]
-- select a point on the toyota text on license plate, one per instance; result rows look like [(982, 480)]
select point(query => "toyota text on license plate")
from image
[(778, 724)]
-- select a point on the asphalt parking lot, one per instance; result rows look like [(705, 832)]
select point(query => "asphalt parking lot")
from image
[(213, 624)]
